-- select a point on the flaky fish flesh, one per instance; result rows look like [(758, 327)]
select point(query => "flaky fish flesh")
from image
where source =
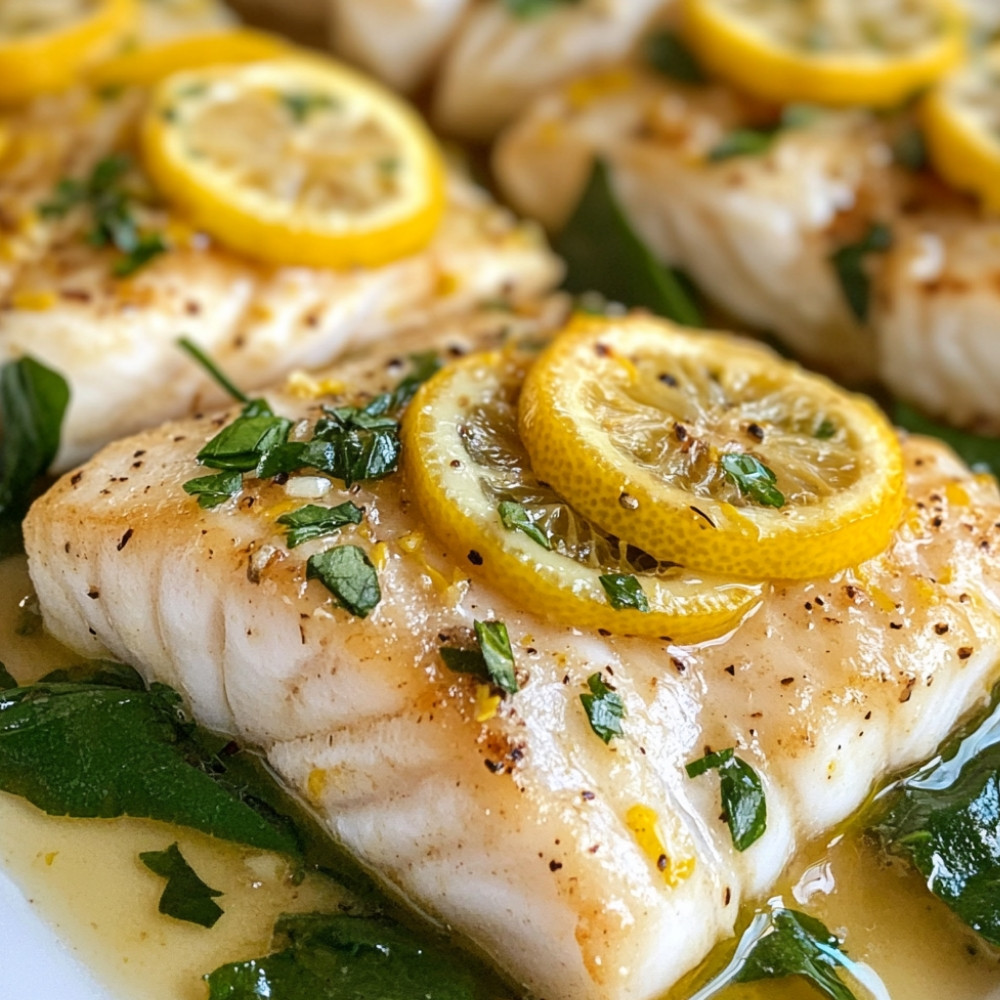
[(523, 832), (115, 340)]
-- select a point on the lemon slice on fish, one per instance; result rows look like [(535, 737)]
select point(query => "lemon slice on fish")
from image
[(710, 451), (472, 480), (961, 119), (296, 161), (146, 65), (45, 47), (839, 52)]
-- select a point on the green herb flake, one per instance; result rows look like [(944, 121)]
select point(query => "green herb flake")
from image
[(798, 945), (825, 429), (312, 521), (6, 679), (752, 478), (604, 707), (185, 896), (424, 365), (241, 445), (668, 54), (624, 592), (516, 518), (215, 489), (742, 795), (603, 253), (109, 203), (340, 957), (465, 661), (535, 8), (33, 401), (301, 105), (494, 642), (347, 572), (850, 263), (909, 149), (356, 444), (756, 141)]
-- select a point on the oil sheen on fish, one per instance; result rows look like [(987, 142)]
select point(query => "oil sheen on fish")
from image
[(519, 832), (115, 339)]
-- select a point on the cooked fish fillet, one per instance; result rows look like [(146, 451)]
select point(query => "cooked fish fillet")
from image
[(161, 20), (755, 232), (115, 340), (519, 832), (486, 60)]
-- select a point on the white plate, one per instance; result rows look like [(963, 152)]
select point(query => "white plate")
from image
[(36, 964)]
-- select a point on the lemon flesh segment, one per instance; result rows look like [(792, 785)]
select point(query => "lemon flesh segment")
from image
[(840, 52), (961, 119), (631, 421), (46, 47), (295, 161), (147, 65), (463, 458)]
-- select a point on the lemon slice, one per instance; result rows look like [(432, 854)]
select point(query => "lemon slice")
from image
[(45, 47), (710, 451), (962, 128), (466, 468), (146, 65), (836, 52), (296, 161)]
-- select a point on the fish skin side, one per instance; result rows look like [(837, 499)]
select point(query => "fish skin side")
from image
[(516, 832)]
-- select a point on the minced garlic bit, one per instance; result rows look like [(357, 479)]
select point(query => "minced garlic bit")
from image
[(675, 865), (303, 386)]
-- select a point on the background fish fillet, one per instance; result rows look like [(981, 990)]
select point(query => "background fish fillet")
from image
[(516, 831)]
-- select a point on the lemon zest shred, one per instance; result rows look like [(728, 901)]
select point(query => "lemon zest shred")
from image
[(675, 866), (316, 783), (380, 556), (487, 703), (34, 300)]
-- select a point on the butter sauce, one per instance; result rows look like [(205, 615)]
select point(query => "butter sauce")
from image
[(84, 878)]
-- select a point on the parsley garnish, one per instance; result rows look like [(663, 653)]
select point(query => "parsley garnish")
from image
[(849, 263), (909, 149), (668, 54), (493, 661), (755, 141), (742, 795), (349, 575), (424, 364), (534, 8), (604, 707), (241, 445), (215, 489), (109, 203), (185, 896), (752, 478), (312, 521), (301, 105), (516, 518), (825, 429), (216, 373), (33, 401), (624, 592)]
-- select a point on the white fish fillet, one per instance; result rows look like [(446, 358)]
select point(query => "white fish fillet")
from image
[(486, 62), (516, 831), (115, 341), (756, 232), (163, 20)]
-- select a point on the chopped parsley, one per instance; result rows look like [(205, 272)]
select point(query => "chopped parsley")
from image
[(109, 202), (535, 8), (214, 371), (668, 54), (347, 572), (850, 263), (185, 896), (825, 429), (624, 592), (909, 149), (33, 401), (742, 795), (493, 661), (215, 489), (752, 478), (755, 141), (241, 445), (604, 707), (301, 105), (516, 518), (313, 521)]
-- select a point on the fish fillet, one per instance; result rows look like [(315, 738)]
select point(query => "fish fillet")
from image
[(115, 340), (519, 832)]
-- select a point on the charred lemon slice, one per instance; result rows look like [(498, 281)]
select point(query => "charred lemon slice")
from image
[(710, 451), (146, 65), (472, 479), (838, 52), (46, 47), (296, 161), (962, 127)]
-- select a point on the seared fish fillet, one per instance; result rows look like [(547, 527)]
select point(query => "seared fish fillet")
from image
[(758, 232), (486, 60), (519, 832), (115, 340)]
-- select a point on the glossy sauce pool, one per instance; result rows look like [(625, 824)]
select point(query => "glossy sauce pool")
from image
[(85, 879)]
